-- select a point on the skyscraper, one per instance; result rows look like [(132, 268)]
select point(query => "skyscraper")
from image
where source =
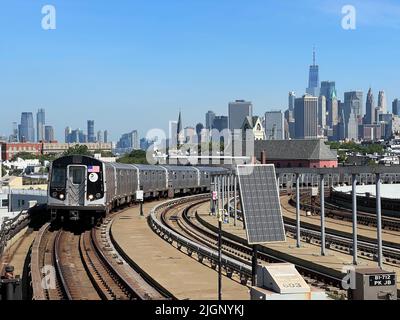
[(179, 131), (328, 90), (382, 102), (48, 133), (396, 107), (105, 136), (67, 134), (353, 110), (238, 111), (14, 136), (100, 136), (306, 115), (210, 116), (313, 79), (220, 123), (26, 128), (370, 109), (40, 123), (274, 125), (322, 112), (90, 131), (292, 97)]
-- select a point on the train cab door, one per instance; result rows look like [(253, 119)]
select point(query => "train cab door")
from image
[(76, 185)]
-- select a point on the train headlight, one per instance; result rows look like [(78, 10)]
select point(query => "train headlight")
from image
[(98, 195), (91, 197), (54, 194), (61, 196)]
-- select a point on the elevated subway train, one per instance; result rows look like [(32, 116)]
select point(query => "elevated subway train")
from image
[(82, 187)]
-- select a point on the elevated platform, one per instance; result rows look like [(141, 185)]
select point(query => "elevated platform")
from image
[(181, 275), (308, 255)]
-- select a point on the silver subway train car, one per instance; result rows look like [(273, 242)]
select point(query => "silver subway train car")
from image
[(82, 187)]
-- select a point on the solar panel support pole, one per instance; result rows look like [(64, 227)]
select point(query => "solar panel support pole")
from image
[(223, 197), (228, 197), (254, 264), (379, 218), (354, 204), (234, 200), (220, 258), (322, 205), (298, 210)]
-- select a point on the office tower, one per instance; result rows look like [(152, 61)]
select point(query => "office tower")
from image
[(67, 133), (274, 125), (40, 123), (14, 136), (370, 109), (322, 112), (292, 97), (313, 79), (90, 131), (306, 115), (26, 129), (328, 90), (382, 102), (105, 136), (189, 133), (199, 128), (396, 107), (210, 116), (238, 111), (220, 123), (49, 134), (100, 136), (179, 131), (353, 110), (129, 141)]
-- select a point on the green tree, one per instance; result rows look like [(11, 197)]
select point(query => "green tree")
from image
[(135, 157), (78, 150), (3, 171), (24, 156)]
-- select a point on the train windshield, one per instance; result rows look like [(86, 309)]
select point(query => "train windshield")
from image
[(77, 174), (58, 178)]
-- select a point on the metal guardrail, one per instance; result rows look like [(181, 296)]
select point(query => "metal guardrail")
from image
[(202, 251), (11, 227)]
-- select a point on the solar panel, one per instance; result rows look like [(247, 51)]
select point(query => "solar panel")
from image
[(260, 203)]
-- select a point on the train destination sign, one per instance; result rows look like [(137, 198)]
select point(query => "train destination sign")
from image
[(382, 280)]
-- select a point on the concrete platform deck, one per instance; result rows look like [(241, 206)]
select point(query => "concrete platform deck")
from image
[(307, 255), (346, 226), (181, 275), (15, 254)]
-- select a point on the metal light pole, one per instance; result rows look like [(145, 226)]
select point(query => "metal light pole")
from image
[(322, 204), (354, 204), (220, 215), (235, 199), (379, 218), (298, 210)]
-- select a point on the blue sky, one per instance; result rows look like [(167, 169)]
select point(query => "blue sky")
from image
[(132, 64)]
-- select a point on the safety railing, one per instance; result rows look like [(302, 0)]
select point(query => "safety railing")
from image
[(244, 270), (11, 227)]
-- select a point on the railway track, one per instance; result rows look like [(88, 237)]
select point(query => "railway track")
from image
[(343, 241), (183, 220), (338, 212), (84, 265)]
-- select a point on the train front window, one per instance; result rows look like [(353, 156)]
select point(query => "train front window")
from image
[(77, 174), (58, 178)]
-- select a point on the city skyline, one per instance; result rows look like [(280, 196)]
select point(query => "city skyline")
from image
[(126, 77)]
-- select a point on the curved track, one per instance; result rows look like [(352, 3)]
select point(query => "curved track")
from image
[(183, 219), (82, 265)]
